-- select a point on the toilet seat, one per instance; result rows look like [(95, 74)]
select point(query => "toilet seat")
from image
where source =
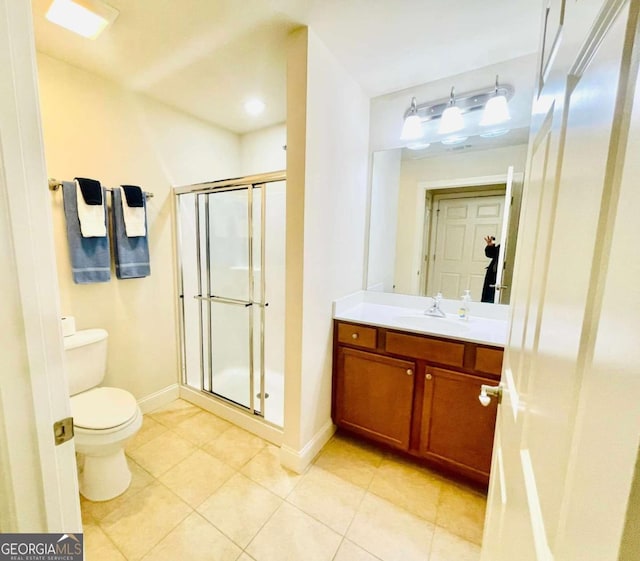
[(103, 409)]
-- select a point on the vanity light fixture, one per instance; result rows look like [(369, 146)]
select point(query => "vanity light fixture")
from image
[(453, 140), (496, 111), (254, 107), (412, 127), (418, 145), (452, 120), (449, 116), (88, 18)]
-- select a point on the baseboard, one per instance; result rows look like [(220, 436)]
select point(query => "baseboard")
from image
[(159, 398), (234, 415), (299, 460)]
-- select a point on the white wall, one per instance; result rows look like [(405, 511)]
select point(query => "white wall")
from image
[(327, 184), (262, 151), (441, 168), (383, 221), (94, 128)]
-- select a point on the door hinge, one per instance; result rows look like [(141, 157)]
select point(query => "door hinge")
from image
[(63, 430)]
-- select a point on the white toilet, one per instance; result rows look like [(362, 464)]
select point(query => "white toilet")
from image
[(103, 418)]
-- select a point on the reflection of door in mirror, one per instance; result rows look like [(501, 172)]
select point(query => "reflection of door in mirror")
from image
[(456, 253)]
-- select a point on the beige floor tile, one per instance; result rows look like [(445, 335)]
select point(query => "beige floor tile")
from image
[(174, 413), (265, 468), (162, 453), (292, 535), (389, 532), (461, 511), (235, 447), (349, 551), (351, 460), (449, 547), (194, 539), (239, 508), (142, 521), (98, 547), (196, 477), (245, 557), (201, 428), (408, 486), (149, 430), (139, 480), (328, 498)]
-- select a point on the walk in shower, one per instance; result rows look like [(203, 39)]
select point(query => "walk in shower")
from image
[(231, 260)]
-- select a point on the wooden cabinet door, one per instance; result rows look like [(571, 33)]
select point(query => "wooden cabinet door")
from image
[(374, 396), (455, 427)]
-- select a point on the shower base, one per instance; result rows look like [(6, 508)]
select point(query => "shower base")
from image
[(233, 384)]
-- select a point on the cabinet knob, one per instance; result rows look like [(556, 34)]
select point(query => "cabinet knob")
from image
[(428, 376), (409, 372), (354, 335)]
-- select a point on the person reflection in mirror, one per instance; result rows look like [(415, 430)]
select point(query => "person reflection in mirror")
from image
[(489, 287)]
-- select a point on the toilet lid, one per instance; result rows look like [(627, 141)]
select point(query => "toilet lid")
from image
[(102, 408)]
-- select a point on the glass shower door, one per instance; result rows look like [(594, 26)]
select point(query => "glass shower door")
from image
[(232, 344), (229, 315)]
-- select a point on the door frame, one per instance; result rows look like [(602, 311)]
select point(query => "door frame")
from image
[(418, 262), (432, 227), (38, 477)]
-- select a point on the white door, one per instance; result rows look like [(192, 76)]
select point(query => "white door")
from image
[(458, 261), (569, 424), (38, 483), (506, 213)]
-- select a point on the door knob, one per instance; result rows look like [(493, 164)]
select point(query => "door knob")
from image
[(409, 372), (487, 392)]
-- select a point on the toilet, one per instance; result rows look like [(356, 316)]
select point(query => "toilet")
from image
[(104, 418)]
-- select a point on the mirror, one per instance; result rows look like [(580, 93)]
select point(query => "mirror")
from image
[(432, 204)]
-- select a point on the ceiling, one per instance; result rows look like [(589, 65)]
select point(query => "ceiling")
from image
[(207, 57)]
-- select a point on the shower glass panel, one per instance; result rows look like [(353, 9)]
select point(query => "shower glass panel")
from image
[(231, 262), (228, 278)]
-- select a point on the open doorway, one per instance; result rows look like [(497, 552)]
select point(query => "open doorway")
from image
[(456, 223)]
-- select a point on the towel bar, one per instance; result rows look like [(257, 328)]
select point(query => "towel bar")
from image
[(54, 185)]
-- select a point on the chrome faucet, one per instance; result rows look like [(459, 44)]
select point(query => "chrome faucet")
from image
[(435, 310)]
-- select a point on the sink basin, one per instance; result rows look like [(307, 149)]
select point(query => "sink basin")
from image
[(432, 324)]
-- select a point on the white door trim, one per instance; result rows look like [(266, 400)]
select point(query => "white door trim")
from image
[(431, 228), (39, 476), (421, 189)]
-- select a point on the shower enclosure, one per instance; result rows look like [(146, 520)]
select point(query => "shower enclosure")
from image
[(231, 250)]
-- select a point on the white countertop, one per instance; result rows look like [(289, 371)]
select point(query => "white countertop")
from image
[(487, 323)]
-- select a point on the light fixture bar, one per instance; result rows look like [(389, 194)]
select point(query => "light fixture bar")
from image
[(466, 102)]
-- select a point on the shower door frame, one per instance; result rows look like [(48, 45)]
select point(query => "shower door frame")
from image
[(249, 183)]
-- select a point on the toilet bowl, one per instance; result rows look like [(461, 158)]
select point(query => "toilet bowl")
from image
[(104, 418)]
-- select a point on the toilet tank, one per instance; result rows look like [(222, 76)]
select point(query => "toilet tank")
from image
[(85, 354)]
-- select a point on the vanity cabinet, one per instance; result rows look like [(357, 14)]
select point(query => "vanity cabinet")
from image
[(418, 394)]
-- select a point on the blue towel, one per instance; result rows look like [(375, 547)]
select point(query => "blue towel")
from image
[(132, 254), (90, 257)]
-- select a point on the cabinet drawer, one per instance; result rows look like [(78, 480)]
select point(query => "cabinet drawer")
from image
[(357, 335), (488, 360), (433, 350)]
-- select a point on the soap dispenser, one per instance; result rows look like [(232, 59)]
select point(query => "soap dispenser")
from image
[(465, 305)]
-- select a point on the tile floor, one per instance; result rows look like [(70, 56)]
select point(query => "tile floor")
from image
[(204, 489)]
